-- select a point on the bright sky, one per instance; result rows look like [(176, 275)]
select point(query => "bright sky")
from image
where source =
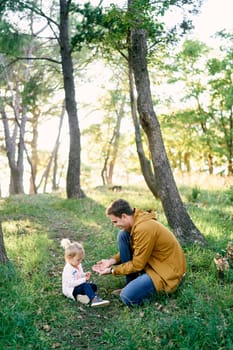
[(215, 15)]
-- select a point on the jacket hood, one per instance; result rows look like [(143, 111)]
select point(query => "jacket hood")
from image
[(142, 216)]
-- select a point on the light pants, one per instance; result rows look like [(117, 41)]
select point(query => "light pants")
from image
[(139, 286)]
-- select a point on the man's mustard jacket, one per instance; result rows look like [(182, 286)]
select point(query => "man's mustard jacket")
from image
[(156, 251)]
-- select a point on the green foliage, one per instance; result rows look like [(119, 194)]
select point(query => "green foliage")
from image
[(34, 87), (12, 42), (35, 315), (89, 29), (193, 49), (207, 125), (9, 5), (111, 27)]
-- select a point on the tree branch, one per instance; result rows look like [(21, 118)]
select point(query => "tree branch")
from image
[(33, 58)]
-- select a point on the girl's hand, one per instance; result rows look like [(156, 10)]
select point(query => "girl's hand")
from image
[(88, 275)]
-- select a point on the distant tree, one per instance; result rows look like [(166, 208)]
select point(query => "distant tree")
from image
[(221, 101), (60, 30), (13, 113), (3, 254), (53, 159), (117, 104), (55, 183), (14, 141), (207, 88), (26, 87), (105, 133), (189, 69)]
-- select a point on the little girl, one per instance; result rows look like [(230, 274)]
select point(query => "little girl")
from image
[(75, 282)]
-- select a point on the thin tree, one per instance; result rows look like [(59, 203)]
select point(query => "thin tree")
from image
[(3, 255), (53, 158), (73, 187), (112, 146)]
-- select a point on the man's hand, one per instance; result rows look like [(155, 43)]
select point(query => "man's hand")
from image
[(106, 271), (103, 266)]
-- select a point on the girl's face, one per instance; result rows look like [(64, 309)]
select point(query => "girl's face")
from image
[(76, 260)]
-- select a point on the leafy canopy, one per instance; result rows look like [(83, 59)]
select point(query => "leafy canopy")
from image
[(96, 25)]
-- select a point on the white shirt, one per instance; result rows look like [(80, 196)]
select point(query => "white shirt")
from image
[(72, 277)]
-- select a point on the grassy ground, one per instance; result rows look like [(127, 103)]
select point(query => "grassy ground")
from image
[(35, 315)]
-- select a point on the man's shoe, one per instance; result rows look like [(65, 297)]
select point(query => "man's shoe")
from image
[(84, 299), (97, 301), (117, 292)]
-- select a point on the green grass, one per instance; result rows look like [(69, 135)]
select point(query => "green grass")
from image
[(35, 315)]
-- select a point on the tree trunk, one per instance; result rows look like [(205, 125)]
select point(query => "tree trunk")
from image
[(210, 163), (208, 143), (175, 212), (230, 144), (230, 167), (16, 167), (145, 163), (34, 152), (3, 255), (187, 162), (73, 188), (15, 143), (104, 171), (115, 144), (56, 148)]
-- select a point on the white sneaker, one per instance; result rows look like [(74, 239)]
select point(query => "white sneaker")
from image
[(97, 301), (84, 299)]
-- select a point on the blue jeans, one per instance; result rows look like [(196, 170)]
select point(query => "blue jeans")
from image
[(87, 288), (139, 286)]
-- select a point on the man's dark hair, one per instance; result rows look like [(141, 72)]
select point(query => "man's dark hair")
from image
[(119, 207)]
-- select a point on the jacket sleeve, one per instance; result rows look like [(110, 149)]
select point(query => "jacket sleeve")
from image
[(143, 244), (117, 258)]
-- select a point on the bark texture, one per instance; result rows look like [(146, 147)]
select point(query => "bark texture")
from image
[(145, 163), (73, 187)]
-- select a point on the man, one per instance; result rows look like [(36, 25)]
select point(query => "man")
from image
[(149, 254)]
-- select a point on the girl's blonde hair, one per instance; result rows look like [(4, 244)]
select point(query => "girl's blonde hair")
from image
[(72, 248)]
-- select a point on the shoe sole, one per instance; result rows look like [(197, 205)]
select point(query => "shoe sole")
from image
[(84, 299), (104, 303)]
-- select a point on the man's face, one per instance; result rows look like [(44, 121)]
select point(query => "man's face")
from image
[(124, 222)]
